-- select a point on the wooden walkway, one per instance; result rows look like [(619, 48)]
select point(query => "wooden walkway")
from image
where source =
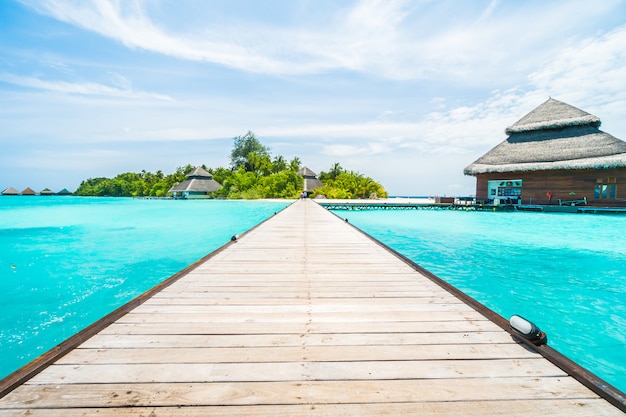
[(303, 316)]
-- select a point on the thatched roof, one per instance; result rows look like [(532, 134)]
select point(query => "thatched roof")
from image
[(553, 114), (553, 136), (311, 184), (10, 191), (310, 179), (64, 192), (199, 172), (199, 180), (28, 191), (306, 172), (46, 191)]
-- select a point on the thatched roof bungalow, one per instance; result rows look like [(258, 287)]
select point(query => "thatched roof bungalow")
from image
[(556, 154), (28, 191), (64, 192), (310, 180), (46, 191), (198, 184), (10, 191)]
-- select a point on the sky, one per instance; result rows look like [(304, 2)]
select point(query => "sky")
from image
[(407, 92)]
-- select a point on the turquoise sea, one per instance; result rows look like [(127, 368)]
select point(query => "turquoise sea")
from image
[(565, 272), (67, 261)]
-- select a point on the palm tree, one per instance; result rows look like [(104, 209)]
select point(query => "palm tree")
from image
[(335, 170), (294, 164), (279, 164)]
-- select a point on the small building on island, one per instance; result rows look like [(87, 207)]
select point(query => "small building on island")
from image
[(10, 191), (198, 184), (28, 191), (556, 154), (64, 192), (310, 180)]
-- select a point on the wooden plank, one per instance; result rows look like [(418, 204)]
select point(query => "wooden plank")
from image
[(214, 299), (306, 294), (295, 353), (303, 308), (259, 327), (352, 317), (122, 341), (295, 371), (317, 392), (501, 408)]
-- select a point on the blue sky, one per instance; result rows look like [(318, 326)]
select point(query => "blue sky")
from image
[(406, 92)]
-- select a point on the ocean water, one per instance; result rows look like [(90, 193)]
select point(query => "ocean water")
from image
[(67, 261), (565, 272)]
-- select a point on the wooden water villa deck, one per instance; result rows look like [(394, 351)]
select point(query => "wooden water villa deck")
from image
[(301, 316)]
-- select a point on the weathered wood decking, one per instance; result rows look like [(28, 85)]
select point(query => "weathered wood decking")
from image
[(303, 316)]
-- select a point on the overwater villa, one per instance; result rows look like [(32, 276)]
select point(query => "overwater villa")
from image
[(10, 191), (556, 154), (310, 180), (46, 191), (28, 191), (198, 184)]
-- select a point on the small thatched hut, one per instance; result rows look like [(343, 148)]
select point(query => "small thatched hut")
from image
[(46, 191), (10, 191), (64, 192), (554, 155), (198, 184), (310, 180), (28, 191)]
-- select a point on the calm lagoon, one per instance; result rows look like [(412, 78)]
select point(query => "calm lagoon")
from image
[(565, 272), (65, 262)]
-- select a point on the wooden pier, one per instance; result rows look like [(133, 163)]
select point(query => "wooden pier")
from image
[(301, 316)]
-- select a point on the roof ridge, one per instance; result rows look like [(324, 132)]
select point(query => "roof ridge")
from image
[(553, 114)]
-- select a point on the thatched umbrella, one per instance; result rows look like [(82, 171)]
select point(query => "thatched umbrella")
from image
[(554, 136)]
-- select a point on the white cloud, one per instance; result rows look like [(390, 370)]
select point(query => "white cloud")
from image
[(394, 39), (590, 75), (592, 70), (121, 82), (87, 89)]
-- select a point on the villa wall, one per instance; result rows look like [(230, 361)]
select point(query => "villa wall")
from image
[(561, 184)]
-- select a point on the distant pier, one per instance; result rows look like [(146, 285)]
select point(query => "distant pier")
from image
[(304, 315), (464, 205)]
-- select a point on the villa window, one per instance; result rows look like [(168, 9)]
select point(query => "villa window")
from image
[(605, 188), (505, 191)]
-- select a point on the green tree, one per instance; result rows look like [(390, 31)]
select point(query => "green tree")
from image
[(220, 174), (88, 187), (284, 184), (295, 164), (348, 184), (279, 164), (333, 173), (243, 146), (261, 164)]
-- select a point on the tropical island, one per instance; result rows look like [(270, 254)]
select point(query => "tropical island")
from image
[(253, 174)]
